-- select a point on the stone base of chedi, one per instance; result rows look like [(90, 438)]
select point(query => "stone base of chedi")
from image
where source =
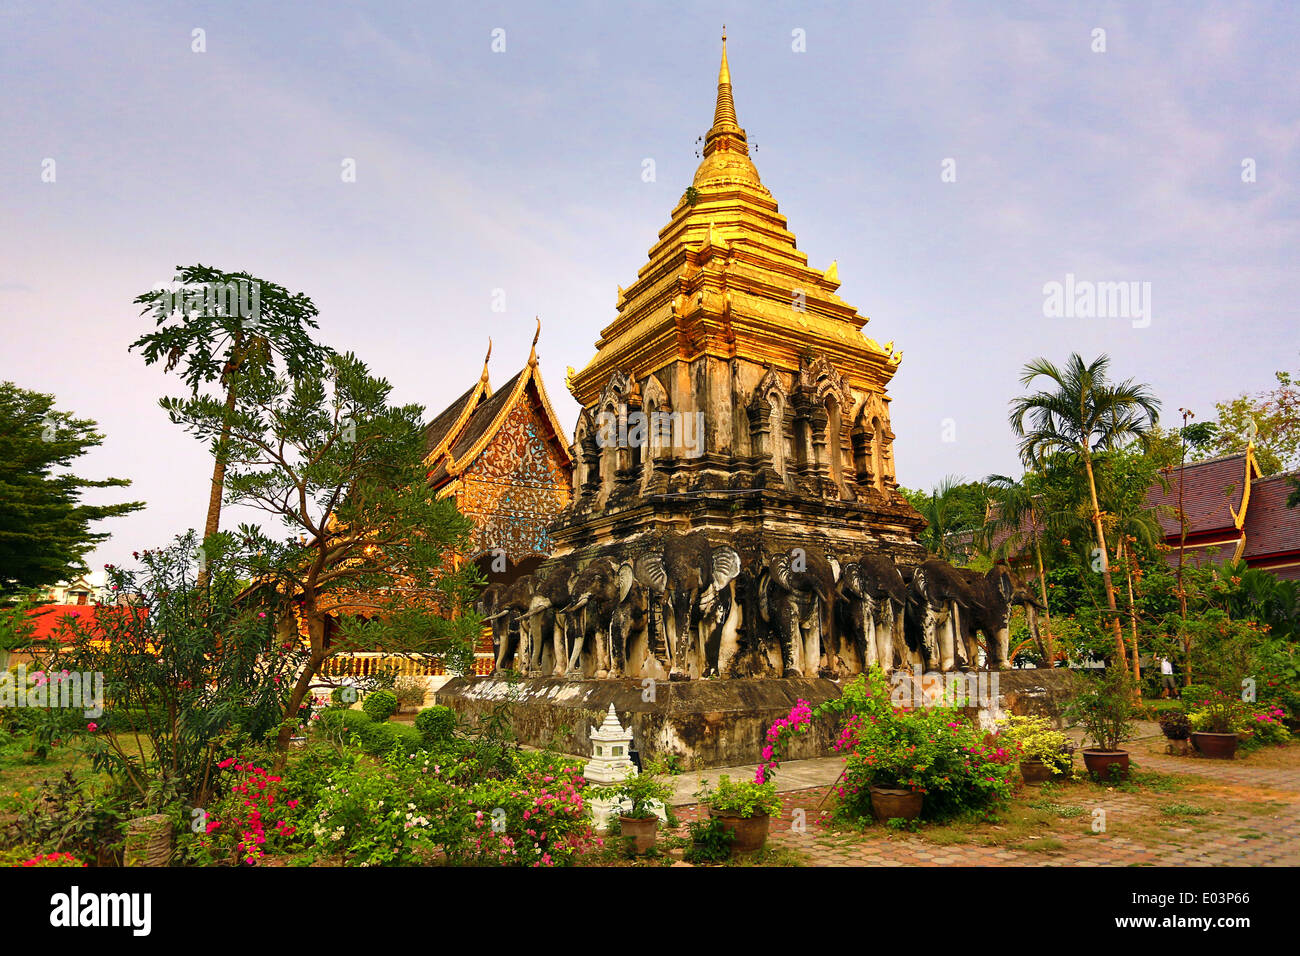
[(715, 723), (707, 723)]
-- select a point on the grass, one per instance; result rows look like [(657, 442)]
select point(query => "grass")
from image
[(1184, 810)]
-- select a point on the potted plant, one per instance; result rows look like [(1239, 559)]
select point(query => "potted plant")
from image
[(641, 796), (1105, 708), (1177, 728), (744, 809), (1044, 752), (1214, 725), (410, 693)]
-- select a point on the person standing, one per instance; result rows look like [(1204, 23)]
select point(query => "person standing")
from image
[(1167, 687)]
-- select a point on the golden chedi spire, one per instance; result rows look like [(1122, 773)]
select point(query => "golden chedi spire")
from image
[(726, 149), (725, 281)]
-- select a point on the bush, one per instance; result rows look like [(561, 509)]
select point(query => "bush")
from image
[(1175, 725), (1104, 706), (347, 722), (742, 799), (1194, 694), (710, 842), (1034, 739), (380, 705), (436, 724)]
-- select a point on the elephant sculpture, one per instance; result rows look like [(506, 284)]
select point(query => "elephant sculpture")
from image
[(595, 616), (550, 595), (796, 595), (504, 607), (992, 597), (688, 583), (936, 598), (874, 602)]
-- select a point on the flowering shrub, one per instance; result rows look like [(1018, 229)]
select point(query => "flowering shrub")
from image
[(1032, 738), (930, 750), (1219, 713), (413, 807), (53, 859), (250, 818), (783, 728), (540, 820), (1269, 726)]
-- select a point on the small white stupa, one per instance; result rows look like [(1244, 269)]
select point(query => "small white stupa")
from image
[(611, 743)]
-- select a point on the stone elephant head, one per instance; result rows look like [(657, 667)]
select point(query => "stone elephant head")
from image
[(551, 590), (994, 594), (796, 597), (874, 600), (688, 583), (504, 606), (596, 621), (936, 597)]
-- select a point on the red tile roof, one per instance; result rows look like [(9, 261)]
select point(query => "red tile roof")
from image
[(53, 621), (1211, 489), (1271, 527)]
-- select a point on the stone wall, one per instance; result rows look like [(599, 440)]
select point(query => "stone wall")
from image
[(705, 723)]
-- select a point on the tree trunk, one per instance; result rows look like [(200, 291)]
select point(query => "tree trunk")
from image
[(218, 486), (1106, 580), (1049, 648), (1132, 616)]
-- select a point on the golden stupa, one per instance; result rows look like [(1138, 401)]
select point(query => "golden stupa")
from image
[(728, 323)]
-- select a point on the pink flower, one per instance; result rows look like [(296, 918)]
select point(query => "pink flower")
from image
[(92, 726)]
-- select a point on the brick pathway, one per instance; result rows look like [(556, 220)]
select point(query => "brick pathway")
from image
[(1254, 821)]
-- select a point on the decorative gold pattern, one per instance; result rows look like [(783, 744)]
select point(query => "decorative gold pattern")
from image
[(514, 488)]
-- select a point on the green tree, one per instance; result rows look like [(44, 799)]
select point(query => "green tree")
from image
[(367, 544), (1014, 523), (1082, 414), (185, 668), (1271, 419), (219, 326), (954, 510), (45, 529)]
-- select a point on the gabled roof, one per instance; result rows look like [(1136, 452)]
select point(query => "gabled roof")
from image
[(1214, 495), (451, 418), (460, 432), (1271, 527)]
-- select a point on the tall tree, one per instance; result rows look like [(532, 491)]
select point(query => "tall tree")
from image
[(217, 327), (1082, 413), (367, 544), (45, 529), (953, 510), (1014, 522)]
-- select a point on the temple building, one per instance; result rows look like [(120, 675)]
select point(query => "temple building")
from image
[(503, 456), (1232, 513), (749, 374)]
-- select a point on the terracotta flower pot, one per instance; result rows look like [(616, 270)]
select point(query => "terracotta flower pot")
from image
[(888, 803), (642, 831), (749, 833), (1035, 771), (1107, 764), (1216, 746)]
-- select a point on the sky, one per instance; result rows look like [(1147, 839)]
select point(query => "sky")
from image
[(955, 159)]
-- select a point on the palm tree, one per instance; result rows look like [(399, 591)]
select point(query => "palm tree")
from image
[(1083, 414), (1017, 517), (940, 510)]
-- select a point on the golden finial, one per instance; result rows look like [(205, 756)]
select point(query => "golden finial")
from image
[(724, 114), (833, 273), (484, 376), (532, 355)]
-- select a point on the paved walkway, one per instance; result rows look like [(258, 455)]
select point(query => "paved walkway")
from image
[(1253, 820)]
